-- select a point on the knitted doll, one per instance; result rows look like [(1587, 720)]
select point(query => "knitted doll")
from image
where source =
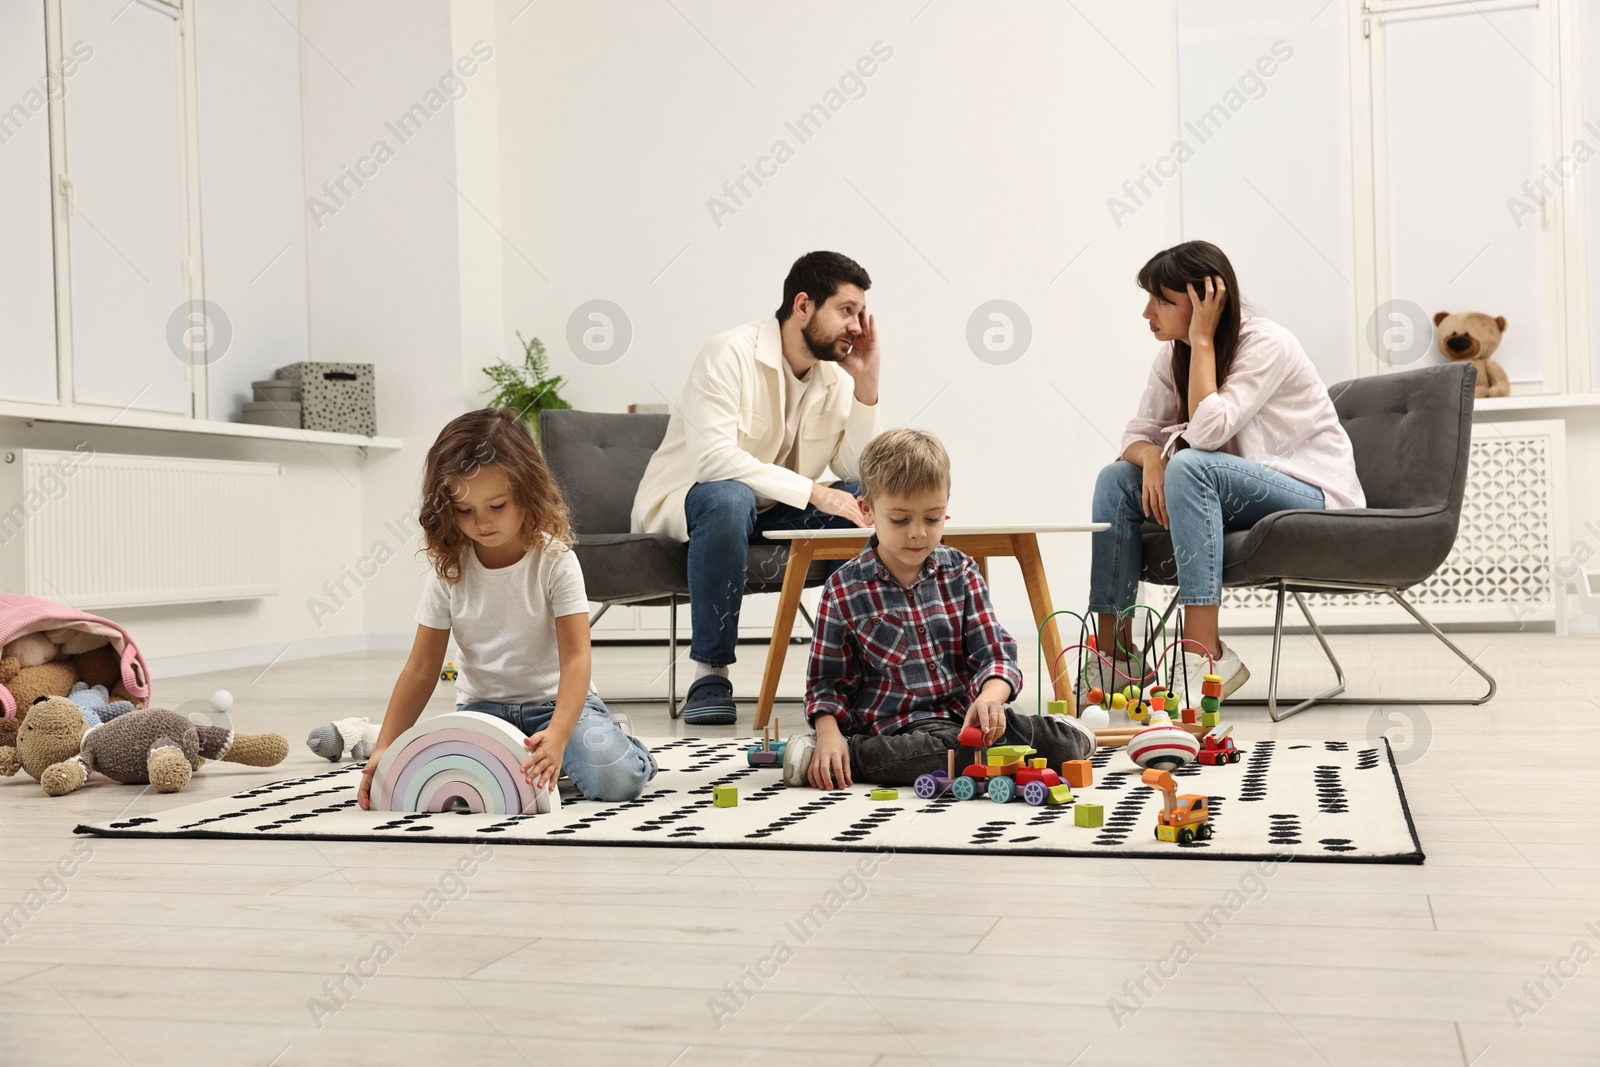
[(149, 745), (357, 736), (96, 704)]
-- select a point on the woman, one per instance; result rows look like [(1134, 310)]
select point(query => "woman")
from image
[(1234, 425)]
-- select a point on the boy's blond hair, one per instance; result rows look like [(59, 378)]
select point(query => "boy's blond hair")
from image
[(902, 462)]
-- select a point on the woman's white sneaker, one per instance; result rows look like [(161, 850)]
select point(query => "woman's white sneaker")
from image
[(1227, 666), (1231, 669)]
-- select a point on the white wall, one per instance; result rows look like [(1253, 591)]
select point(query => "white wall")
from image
[(976, 165), (384, 266)]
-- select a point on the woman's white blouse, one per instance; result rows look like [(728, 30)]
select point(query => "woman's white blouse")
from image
[(1273, 410)]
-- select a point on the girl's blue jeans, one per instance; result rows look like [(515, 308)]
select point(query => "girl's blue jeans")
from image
[(1207, 493), (602, 761)]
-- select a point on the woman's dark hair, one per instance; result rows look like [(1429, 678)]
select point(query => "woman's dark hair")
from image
[(819, 275), (1188, 264)]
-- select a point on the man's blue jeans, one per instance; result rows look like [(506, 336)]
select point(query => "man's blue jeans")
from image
[(722, 525), (1207, 493)]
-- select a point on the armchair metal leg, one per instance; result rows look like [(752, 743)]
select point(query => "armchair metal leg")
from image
[(673, 707), (1331, 696), (1451, 645), (1277, 648)]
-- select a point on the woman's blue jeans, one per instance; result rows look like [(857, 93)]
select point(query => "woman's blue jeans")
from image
[(1207, 493)]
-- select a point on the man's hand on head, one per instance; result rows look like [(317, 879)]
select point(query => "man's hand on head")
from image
[(862, 362)]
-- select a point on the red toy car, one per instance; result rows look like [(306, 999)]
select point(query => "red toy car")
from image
[(1218, 748)]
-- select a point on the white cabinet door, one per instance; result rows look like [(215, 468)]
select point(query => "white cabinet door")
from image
[(27, 254), (1589, 36), (126, 222), (251, 191), (1464, 94)]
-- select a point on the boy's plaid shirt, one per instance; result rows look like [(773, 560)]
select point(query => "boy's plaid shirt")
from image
[(885, 655)]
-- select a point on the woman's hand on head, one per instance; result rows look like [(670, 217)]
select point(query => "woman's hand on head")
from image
[(1206, 310)]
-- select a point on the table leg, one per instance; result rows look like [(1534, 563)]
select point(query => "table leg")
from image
[(1026, 549), (794, 580), (983, 567)]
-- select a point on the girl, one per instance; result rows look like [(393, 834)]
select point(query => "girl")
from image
[(1234, 425), (505, 580)]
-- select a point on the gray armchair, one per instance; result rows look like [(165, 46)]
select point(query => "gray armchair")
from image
[(1412, 436), (599, 459)]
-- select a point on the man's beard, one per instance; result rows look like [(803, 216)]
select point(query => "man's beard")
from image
[(823, 352)]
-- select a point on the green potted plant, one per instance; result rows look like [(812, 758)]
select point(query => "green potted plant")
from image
[(528, 389)]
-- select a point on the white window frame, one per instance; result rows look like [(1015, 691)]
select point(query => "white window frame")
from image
[(1563, 310)]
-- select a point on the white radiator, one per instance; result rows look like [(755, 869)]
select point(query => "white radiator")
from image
[(102, 530), (1511, 545)]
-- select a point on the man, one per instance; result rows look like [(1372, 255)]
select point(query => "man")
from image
[(769, 407)]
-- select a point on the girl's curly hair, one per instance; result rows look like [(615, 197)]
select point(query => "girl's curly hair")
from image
[(488, 437)]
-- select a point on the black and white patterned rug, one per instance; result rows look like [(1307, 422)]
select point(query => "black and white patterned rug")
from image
[(1306, 800)]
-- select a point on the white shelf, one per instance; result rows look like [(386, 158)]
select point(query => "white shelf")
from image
[(153, 420), (1546, 402)]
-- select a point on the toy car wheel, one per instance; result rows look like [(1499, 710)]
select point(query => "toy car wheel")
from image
[(964, 788), (1204, 833), (1036, 793), (926, 786), (1001, 790), (1233, 757), (1185, 836)]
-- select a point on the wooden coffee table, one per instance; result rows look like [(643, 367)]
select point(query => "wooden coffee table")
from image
[(979, 542)]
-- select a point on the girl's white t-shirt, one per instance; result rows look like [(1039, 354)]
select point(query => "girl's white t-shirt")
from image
[(504, 622)]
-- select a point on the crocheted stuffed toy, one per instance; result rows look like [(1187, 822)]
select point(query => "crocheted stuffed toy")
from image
[(96, 704), (355, 736), (30, 650), (99, 666), (150, 745), (28, 684)]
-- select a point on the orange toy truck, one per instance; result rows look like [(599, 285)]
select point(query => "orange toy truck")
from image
[(1182, 818)]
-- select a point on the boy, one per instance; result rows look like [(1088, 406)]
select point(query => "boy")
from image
[(907, 648)]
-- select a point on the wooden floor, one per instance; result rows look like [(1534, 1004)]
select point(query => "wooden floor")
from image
[(225, 952)]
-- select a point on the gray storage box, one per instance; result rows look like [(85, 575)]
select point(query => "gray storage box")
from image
[(334, 396), (271, 413), (273, 390)]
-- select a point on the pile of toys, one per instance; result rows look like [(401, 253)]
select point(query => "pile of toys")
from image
[(1163, 732)]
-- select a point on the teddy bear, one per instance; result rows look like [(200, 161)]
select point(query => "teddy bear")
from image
[(102, 666), (150, 745), (30, 650), (1473, 336), (357, 736), (28, 684)]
